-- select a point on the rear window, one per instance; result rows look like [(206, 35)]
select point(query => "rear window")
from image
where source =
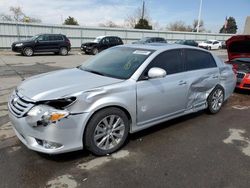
[(55, 37), (197, 59)]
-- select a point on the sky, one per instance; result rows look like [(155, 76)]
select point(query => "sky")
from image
[(161, 12)]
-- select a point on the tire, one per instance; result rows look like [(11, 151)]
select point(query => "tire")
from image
[(63, 51), (95, 51), (106, 131), (215, 100), (28, 51)]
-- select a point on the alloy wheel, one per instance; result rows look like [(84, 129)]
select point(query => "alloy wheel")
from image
[(109, 132)]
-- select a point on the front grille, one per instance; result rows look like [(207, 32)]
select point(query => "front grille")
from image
[(19, 106), (240, 75)]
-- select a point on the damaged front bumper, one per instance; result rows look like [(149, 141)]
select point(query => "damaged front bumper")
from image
[(60, 137), (56, 137)]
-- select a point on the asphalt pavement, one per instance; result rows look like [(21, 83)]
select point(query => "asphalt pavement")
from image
[(197, 150)]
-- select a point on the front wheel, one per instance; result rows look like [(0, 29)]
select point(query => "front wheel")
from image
[(107, 131), (28, 51), (95, 51), (215, 100)]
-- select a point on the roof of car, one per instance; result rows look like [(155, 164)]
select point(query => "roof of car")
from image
[(160, 46)]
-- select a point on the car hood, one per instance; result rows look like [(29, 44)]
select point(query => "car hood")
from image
[(58, 84), (22, 41), (238, 47), (204, 44), (89, 44)]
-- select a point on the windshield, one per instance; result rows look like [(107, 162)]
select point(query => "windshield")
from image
[(119, 62), (34, 37), (208, 42), (98, 39)]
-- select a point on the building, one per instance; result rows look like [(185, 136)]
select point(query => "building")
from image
[(247, 26)]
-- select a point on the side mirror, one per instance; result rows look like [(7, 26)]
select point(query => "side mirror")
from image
[(36, 41), (156, 72)]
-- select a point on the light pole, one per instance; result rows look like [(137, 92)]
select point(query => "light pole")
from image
[(199, 17)]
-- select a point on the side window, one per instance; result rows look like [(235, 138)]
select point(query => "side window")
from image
[(112, 40), (43, 38), (51, 37), (197, 59), (170, 61), (58, 37), (105, 40)]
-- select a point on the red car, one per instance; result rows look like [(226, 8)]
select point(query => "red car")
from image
[(238, 48)]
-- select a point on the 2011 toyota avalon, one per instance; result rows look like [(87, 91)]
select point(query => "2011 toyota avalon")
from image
[(122, 90)]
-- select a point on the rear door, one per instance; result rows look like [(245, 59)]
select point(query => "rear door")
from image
[(162, 97), (202, 75)]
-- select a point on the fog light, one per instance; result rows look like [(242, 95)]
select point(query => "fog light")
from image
[(50, 145)]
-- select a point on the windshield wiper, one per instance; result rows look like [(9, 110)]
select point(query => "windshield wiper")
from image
[(95, 72)]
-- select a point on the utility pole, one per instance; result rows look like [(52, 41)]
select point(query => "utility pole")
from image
[(143, 9), (199, 17)]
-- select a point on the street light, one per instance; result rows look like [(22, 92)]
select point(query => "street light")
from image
[(199, 17)]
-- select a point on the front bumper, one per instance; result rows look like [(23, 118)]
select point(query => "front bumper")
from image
[(86, 49), (18, 49), (204, 47), (67, 132)]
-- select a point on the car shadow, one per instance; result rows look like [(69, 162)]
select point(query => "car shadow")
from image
[(242, 91), (164, 125), (81, 154), (45, 54), (66, 157)]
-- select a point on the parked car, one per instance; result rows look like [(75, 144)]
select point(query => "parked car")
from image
[(210, 45), (187, 42), (146, 40), (122, 90), (101, 43), (223, 45), (238, 48), (57, 43)]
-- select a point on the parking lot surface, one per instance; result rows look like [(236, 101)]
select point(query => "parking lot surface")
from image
[(197, 150)]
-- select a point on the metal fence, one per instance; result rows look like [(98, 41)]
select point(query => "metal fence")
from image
[(10, 32)]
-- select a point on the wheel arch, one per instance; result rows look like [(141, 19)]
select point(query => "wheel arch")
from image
[(106, 107)]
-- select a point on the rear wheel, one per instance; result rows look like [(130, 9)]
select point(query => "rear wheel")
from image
[(215, 100), (63, 51), (28, 51), (107, 131)]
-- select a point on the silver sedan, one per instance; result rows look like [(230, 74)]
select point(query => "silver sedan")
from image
[(122, 90)]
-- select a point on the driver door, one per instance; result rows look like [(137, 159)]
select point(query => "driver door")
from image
[(160, 98)]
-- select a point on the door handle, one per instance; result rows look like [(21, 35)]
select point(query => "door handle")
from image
[(215, 76), (182, 82)]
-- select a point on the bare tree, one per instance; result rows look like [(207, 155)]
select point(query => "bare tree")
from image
[(201, 27), (109, 24), (17, 15), (133, 19), (179, 26)]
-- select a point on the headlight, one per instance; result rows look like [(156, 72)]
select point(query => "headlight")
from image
[(45, 115), (19, 44)]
